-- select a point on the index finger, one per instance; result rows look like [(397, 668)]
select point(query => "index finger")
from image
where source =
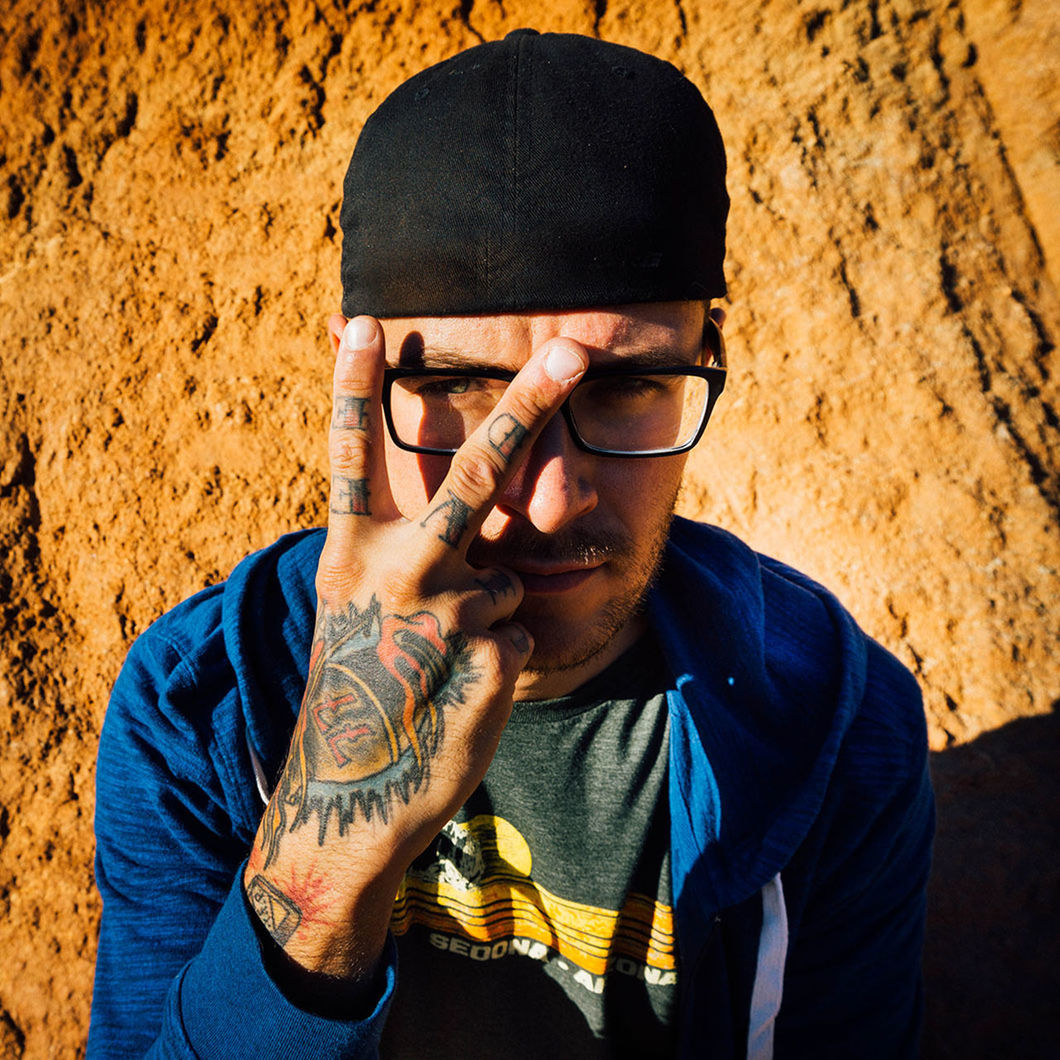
[(483, 465)]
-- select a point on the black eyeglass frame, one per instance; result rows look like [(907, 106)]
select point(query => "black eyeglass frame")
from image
[(714, 374)]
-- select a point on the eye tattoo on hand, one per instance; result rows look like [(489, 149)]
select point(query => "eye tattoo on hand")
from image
[(372, 719)]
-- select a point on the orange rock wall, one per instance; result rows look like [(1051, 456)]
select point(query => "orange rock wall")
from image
[(170, 177)]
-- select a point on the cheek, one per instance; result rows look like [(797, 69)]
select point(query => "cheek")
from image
[(641, 493), (414, 478)]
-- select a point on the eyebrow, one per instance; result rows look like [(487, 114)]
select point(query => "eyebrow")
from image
[(445, 358), (646, 359)]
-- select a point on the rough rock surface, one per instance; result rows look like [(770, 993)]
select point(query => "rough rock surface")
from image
[(169, 191)]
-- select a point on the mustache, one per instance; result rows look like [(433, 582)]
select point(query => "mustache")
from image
[(575, 545)]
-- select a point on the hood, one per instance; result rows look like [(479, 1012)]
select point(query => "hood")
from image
[(267, 614), (768, 673)]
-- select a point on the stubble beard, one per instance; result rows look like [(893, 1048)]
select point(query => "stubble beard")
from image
[(638, 569)]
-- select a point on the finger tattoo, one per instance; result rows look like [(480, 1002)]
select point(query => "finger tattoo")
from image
[(351, 413), (505, 435), (278, 913), (349, 496), (496, 584), (520, 640), (456, 513)]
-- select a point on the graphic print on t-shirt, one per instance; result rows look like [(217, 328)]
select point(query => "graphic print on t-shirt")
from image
[(474, 893)]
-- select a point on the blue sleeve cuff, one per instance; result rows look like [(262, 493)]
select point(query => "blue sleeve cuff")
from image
[(229, 1007)]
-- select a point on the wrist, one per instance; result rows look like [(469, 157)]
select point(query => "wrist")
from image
[(353, 995), (323, 920)]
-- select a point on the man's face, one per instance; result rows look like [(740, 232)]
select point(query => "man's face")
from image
[(583, 532)]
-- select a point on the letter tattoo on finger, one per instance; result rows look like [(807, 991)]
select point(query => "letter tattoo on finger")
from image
[(497, 584), (351, 413), (349, 496), (456, 513), (506, 434)]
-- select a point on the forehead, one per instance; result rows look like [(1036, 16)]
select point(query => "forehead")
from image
[(507, 339)]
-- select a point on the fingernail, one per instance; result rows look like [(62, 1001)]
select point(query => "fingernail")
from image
[(563, 363), (359, 333), (521, 639)]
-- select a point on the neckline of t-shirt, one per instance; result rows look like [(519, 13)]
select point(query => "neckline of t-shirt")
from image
[(638, 673)]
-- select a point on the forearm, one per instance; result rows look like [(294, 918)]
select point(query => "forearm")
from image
[(180, 970)]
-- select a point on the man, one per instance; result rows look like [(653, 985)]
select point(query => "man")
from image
[(546, 773)]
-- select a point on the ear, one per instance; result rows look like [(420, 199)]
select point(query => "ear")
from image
[(713, 342), (336, 325)]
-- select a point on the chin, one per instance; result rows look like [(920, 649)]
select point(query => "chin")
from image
[(558, 647)]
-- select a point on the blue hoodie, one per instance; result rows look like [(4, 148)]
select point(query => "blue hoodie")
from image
[(801, 818)]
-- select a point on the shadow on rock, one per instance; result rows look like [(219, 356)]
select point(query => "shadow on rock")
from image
[(992, 961)]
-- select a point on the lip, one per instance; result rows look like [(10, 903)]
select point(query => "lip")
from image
[(544, 582)]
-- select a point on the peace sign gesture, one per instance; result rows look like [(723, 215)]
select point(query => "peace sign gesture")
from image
[(412, 668)]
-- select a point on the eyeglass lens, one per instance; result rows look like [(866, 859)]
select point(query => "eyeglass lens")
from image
[(619, 413)]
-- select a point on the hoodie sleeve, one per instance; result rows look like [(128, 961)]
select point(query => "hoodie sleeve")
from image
[(852, 983), (180, 971)]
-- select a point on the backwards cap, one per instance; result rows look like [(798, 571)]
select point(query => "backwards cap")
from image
[(547, 171)]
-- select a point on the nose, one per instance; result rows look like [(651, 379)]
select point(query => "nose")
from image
[(553, 487)]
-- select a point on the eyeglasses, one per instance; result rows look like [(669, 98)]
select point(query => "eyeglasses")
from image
[(613, 411)]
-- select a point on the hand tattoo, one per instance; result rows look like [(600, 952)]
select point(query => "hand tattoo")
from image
[(496, 584), (372, 718), (349, 496), (351, 413), (506, 434), (455, 512), (278, 913), (520, 640)]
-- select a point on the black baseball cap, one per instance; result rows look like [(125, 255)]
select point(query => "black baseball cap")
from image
[(541, 171)]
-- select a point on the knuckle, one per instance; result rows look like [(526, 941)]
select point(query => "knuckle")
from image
[(336, 582), (529, 405), (489, 656), (510, 659), (356, 370), (348, 450), (404, 583), (466, 614), (473, 474)]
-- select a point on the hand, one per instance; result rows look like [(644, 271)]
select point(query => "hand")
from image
[(412, 668)]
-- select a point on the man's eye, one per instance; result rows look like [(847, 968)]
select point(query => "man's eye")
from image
[(454, 389), (439, 387), (444, 387), (629, 388)]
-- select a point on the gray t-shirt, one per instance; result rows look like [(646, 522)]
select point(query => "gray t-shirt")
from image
[(539, 923)]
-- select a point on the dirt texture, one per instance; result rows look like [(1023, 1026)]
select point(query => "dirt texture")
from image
[(170, 177)]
